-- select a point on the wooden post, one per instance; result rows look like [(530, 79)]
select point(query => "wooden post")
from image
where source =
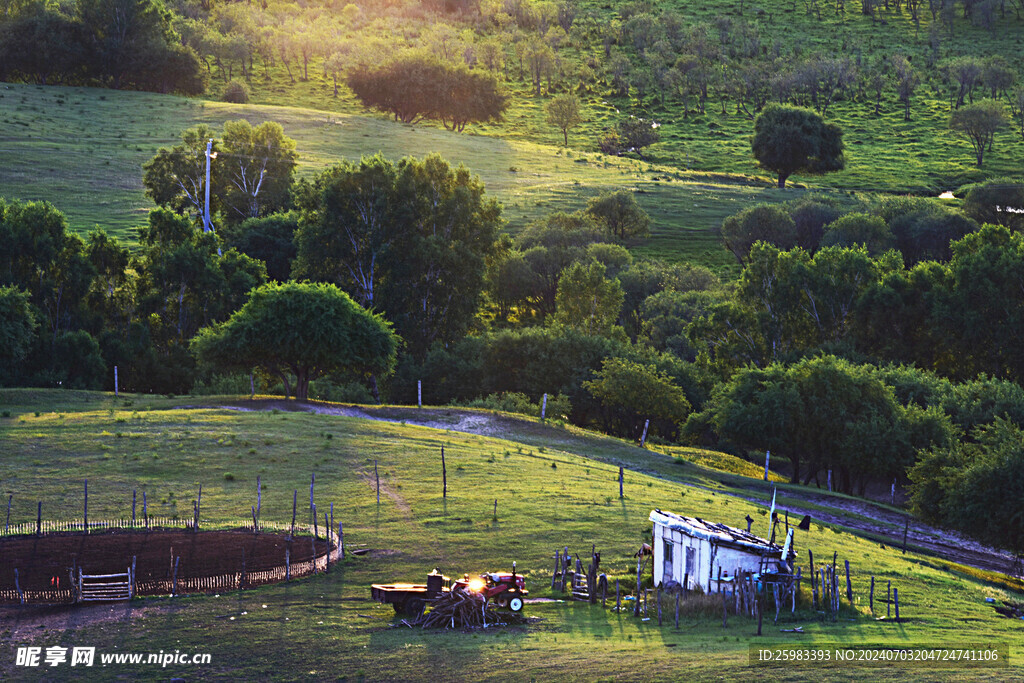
[(618, 596), (376, 476), (287, 564), (255, 528), (174, 581), (115, 381), (327, 554), (419, 393), (767, 457), (241, 579), (871, 595), (620, 482), (830, 481), (888, 600), (814, 580), (849, 587), (495, 509), (315, 527), (131, 579), (558, 567), (331, 526), (133, 508), (295, 502), (896, 599), (341, 541), (603, 581), (796, 589), (39, 519), (17, 587), (643, 438), (543, 407), (85, 508), (686, 582), (906, 527), (636, 609), (892, 493), (199, 503), (677, 610), (757, 601), (444, 476), (312, 480)]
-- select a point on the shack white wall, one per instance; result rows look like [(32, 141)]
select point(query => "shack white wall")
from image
[(707, 559)]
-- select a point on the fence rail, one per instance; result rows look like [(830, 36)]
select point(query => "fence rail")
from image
[(222, 582)]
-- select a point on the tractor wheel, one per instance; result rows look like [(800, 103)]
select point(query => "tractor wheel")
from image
[(500, 602), (414, 607), (515, 603)]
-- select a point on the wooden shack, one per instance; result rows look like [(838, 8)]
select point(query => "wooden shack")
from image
[(696, 550)]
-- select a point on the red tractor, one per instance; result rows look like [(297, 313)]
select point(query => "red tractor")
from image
[(504, 588)]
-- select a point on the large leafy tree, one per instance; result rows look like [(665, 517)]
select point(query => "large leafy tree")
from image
[(631, 392), (250, 174), (563, 112), (409, 239), (760, 223), (17, 331), (789, 140), (620, 214), (826, 414), (301, 331), (976, 487), (587, 300), (979, 122), (416, 86), (1000, 201)]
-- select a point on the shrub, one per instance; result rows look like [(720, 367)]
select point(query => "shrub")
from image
[(235, 92)]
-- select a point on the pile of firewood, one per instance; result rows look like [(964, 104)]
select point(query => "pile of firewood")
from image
[(461, 609)]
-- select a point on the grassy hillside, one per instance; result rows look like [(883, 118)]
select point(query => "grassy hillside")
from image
[(82, 149), (326, 627)]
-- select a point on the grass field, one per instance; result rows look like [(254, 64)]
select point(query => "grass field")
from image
[(82, 149), (327, 628)]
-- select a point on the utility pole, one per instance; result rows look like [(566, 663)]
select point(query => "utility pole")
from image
[(210, 154)]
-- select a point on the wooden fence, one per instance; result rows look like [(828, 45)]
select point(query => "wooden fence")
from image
[(178, 585)]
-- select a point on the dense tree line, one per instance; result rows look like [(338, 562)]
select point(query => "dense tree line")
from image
[(115, 43)]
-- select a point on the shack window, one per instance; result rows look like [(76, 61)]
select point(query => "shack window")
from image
[(691, 560), (667, 570)]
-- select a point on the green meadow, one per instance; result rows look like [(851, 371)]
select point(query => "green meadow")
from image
[(548, 493), (82, 149)]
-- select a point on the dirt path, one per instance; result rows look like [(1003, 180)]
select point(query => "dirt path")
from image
[(859, 516)]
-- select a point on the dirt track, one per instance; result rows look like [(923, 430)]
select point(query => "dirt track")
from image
[(859, 516)]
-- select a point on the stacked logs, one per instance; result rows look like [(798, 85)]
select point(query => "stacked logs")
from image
[(462, 609)]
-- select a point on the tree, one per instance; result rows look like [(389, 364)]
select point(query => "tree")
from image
[(999, 201), (408, 239), (17, 331), (979, 122), (907, 81), (789, 140), (924, 228), (859, 229), (620, 214), (631, 392), (257, 167), (563, 112), (587, 300), (636, 133), (978, 487), (417, 86), (540, 58), (176, 177), (767, 223), (270, 239), (826, 413), (307, 330)]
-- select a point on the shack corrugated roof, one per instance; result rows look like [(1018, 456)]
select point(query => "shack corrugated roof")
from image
[(721, 534)]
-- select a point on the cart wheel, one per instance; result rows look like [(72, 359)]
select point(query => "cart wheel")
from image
[(515, 603), (399, 607), (414, 607)]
